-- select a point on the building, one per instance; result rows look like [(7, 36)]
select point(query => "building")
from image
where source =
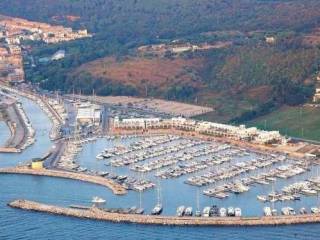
[(270, 40), (58, 55), (88, 114), (316, 96), (269, 137), (37, 164), (17, 76), (241, 133)]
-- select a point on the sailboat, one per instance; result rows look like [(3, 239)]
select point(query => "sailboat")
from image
[(157, 210), (140, 210), (274, 211), (198, 212)]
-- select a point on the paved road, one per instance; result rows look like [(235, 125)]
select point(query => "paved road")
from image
[(56, 153), (19, 137)]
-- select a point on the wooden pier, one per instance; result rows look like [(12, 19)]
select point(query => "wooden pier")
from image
[(98, 214), (115, 187)]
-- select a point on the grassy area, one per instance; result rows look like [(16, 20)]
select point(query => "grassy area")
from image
[(302, 122), (225, 107)]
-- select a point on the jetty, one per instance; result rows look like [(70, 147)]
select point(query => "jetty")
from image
[(95, 213), (21, 131), (115, 187)]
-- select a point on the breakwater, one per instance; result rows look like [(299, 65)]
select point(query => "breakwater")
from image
[(115, 187), (99, 214)]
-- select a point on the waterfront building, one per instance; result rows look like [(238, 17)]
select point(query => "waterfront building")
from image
[(241, 133), (88, 114), (37, 164)]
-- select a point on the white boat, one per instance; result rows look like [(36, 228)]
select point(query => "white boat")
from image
[(98, 200), (314, 210), (303, 211), (230, 212), (157, 210), (262, 198), (288, 211), (267, 211), (237, 212), (181, 211), (309, 192), (274, 212), (188, 211), (223, 212), (206, 212)]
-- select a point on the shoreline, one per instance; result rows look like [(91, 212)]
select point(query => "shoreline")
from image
[(108, 183), (101, 215)]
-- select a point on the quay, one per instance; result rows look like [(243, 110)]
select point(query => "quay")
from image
[(101, 215), (17, 127), (115, 187)]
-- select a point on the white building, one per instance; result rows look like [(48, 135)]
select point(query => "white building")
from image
[(88, 114), (268, 137), (207, 128), (58, 55)]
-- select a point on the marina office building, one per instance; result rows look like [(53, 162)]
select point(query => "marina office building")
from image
[(88, 114)]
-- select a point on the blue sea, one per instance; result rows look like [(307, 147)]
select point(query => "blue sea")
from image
[(18, 224)]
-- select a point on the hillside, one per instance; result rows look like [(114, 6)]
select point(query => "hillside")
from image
[(150, 76), (168, 18), (248, 78)]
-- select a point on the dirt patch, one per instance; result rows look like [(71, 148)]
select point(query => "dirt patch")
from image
[(157, 73)]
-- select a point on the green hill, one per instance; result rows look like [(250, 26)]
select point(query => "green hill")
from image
[(229, 79)]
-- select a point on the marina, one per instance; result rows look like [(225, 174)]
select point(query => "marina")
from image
[(215, 178)]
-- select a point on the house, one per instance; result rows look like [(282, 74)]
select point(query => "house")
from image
[(58, 55), (270, 40)]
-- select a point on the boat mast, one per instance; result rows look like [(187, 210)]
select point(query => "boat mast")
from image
[(317, 191), (158, 192), (198, 201), (272, 202), (140, 199)]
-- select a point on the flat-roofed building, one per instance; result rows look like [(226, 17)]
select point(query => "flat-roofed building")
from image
[(88, 114)]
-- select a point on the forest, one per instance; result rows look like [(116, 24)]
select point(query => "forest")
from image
[(287, 68)]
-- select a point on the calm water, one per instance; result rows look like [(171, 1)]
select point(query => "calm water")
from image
[(4, 133), (17, 224), (186, 194)]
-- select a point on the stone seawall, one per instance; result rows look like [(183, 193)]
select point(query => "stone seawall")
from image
[(115, 187), (98, 214)]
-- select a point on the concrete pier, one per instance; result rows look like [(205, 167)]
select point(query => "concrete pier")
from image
[(98, 214), (115, 187)]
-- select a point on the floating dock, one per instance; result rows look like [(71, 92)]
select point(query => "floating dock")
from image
[(115, 187), (98, 214)]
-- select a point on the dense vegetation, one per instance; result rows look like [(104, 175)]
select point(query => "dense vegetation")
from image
[(286, 68), (129, 19)]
